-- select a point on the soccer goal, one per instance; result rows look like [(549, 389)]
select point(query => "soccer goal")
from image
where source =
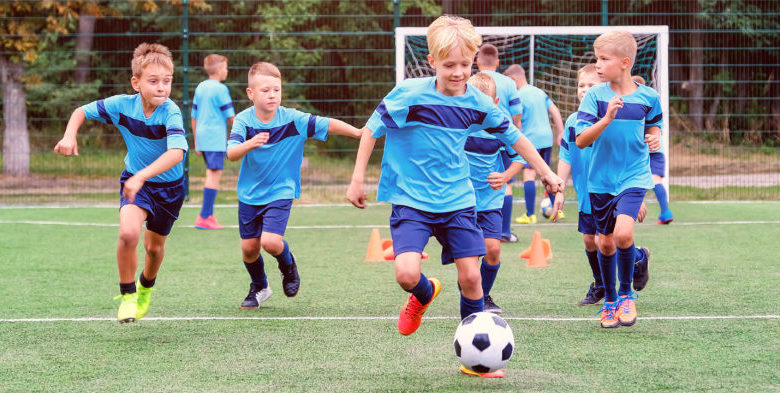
[(551, 57)]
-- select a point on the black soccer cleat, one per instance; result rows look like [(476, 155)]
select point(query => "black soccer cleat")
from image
[(491, 307), (291, 281), (593, 296), (256, 296), (642, 270)]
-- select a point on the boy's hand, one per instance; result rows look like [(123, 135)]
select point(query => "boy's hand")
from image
[(356, 195), (553, 183), (642, 213), (197, 152), (614, 104), (557, 206), (497, 180), (67, 147), (131, 187), (259, 140), (653, 141)]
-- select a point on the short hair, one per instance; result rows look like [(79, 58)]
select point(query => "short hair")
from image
[(146, 54), (620, 42), (212, 62), (447, 32), (515, 70), (263, 68), (587, 69), (484, 82), (638, 79), (488, 55)]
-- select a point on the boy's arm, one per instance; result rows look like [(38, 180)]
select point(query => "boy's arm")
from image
[(235, 153), (498, 179), (517, 120), (555, 113), (194, 123), (166, 161), (653, 138), (526, 149), (67, 146), (590, 134), (338, 127), (355, 193), (564, 170)]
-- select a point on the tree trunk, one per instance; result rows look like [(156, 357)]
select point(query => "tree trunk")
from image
[(696, 75), (16, 140), (83, 47)]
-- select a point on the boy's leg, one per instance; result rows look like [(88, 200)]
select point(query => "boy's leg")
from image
[(422, 289), (470, 282), (490, 222), (529, 189), (658, 169), (131, 217), (506, 217), (274, 244), (259, 291), (210, 191)]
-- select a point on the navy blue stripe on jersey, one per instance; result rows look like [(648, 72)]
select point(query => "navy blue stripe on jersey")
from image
[(510, 155), (572, 135), (310, 128), (475, 144), (446, 116), (101, 107), (564, 144), (175, 131), (195, 106), (139, 128), (515, 101), (587, 117), (226, 106), (276, 133), (386, 118), (656, 119), (629, 111), (236, 137), (501, 127)]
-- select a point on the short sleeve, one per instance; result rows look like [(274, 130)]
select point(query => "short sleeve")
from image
[(195, 100), (563, 152), (587, 113), (547, 101), (390, 114), (514, 104), (312, 126), (225, 103), (498, 124), (174, 129), (655, 117), (101, 110), (237, 133)]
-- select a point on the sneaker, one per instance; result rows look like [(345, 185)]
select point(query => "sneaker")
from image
[(412, 312), (524, 219), (665, 218), (144, 298), (642, 270), (492, 307), (609, 317), (256, 296), (495, 374), (128, 307), (593, 296), (291, 281), (207, 223), (561, 216), (626, 311), (510, 238)]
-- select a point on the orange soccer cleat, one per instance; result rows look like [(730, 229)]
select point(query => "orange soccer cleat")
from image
[(412, 312)]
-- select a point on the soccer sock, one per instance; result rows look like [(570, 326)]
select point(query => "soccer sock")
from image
[(423, 291), (256, 271), (663, 199), (625, 268), (145, 282), (593, 260), (552, 199), (284, 258), (127, 287), (608, 265), (470, 306), (506, 215), (489, 273), (529, 188), (207, 209)]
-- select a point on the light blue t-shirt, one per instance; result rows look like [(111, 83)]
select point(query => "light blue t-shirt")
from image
[(484, 154), (536, 120), (579, 159), (620, 157), (211, 107), (506, 91), (424, 164), (146, 139), (273, 171)]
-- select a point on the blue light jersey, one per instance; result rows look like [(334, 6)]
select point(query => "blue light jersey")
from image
[(483, 151), (508, 97), (579, 159), (536, 120), (146, 139), (424, 164), (273, 171), (620, 155), (211, 107)]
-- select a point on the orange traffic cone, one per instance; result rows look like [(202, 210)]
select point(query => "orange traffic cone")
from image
[(374, 252), (389, 254), (539, 251)]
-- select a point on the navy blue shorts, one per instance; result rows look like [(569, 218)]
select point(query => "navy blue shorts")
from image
[(606, 207), (214, 159), (162, 202), (545, 153), (657, 164), (253, 220), (507, 161), (456, 231), (586, 224), (490, 222)]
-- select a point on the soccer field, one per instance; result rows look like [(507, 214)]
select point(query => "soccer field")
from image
[(709, 318)]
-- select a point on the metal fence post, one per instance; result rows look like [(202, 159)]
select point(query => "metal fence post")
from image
[(185, 53)]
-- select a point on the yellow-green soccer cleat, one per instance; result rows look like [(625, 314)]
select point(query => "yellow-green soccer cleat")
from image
[(525, 219), (128, 307), (144, 298)]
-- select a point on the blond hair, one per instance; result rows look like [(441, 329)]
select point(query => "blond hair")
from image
[(638, 79), (515, 70), (213, 62), (621, 43), (587, 69), (485, 83), (488, 55), (448, 32), (146, 54), (263, 68)]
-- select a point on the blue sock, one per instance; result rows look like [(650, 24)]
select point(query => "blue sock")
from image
[(423, 291), (593, 260), (470, 306), (663, 199), (639, 254), (207, 209), (625, 268), (529, 188), (284, 258), (506, 215), (552, 199), (256, 271), (608, 265), (489, 273)]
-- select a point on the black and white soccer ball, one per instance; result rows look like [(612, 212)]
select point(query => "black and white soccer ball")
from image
[(484, 342)]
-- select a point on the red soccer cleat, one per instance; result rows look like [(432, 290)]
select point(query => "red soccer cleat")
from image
[(412, 312)]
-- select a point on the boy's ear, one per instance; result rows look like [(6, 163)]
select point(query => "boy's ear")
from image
[(625, 62), (431, 61), (249, 93), (135, 83)]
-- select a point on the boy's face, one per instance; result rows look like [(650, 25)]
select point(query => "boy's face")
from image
[(585, 82), (265, 92), (154, 84), (453, 71), (609, 65)]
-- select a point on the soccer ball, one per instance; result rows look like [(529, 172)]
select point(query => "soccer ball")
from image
[(484, 342), (546, 207)]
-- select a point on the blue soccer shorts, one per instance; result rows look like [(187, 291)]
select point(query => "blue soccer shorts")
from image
[(214, 159), (586, 224), (253, 220), (657, 164), (545, 153), (606, 207), (162, 202)]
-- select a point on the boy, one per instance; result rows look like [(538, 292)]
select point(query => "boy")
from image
[(152, 184), (575, 161), (269, 139), (425, 175), (537, 110), (614, 117), (211, 107)]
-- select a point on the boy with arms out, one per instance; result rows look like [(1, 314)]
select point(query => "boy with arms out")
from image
[(152, 184), (614, 117), (212, 110), (425, 175), (269, 140)]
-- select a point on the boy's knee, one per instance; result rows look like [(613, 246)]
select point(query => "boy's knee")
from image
[(155, 250), (470, 280), (272, 246), (407, 279), (493, 253), (129, 237), (624, 239), (590, 242)]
